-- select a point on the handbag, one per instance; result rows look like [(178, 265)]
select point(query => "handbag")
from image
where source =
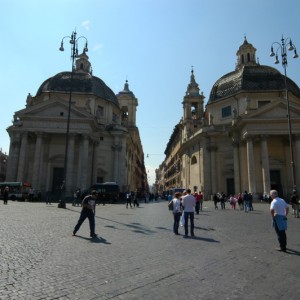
[(182, 219)]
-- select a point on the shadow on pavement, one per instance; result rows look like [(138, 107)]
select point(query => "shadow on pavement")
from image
[(98, 239), (201, 239), (292, 252)]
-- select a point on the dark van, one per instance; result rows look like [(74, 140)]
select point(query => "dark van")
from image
[(108, 192)]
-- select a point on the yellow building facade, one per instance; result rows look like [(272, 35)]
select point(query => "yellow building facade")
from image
[(103, 140), (240, 140)]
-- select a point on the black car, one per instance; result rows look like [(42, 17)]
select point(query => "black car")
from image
[(108, 192)]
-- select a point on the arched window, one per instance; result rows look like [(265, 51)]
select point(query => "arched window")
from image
[(194, 160)]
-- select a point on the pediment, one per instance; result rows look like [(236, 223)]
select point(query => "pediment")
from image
[(52, 109), (276, 109)]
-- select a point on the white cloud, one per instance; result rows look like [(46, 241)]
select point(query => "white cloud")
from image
[(97, 47), (86, 24)]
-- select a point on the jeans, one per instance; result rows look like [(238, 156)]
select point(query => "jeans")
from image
[(128, 201), (176, 222), (90, 215), (188, 215), (281, 237), (246, 206)]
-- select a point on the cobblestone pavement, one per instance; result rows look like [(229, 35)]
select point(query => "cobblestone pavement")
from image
[(137, 256)]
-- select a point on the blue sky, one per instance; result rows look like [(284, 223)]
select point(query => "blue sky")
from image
[(152, 43)]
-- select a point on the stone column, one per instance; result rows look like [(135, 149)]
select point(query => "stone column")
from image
[(213, 168), (22, 157), (80, 162), (70, 164), (250, 165), (206, 163), (116, 148), (236, 167), (95, 162), (13, 158), (265, 165), (85, 159), (37, 161), (297, 162)]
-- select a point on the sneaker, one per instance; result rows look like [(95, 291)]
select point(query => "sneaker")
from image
[(74, 233), (280, 249), (93, 235)]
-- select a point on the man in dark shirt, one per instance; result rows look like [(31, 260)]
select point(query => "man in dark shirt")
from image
[(88, 211)]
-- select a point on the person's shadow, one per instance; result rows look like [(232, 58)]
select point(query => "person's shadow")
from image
[(97, 240), (292, 252)]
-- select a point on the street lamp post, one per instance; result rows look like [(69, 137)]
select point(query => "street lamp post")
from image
[(74, 53), (286, 44)]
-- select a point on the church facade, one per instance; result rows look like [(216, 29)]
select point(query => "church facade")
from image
[(75, 131), (240, 139)]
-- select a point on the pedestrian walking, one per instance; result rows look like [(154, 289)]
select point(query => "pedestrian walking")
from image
[(232, 201), (31, 194), (74, 199), (200, 200), (128, 199), (216, 199), (135, 199), (240, 201), (246, 201), (197, 199), (279, 211), (48, 197), (88, 211), (250, 201), (77, 196), (5, 195), (176, 211), (188, 203), (295, 204), (223, 200)]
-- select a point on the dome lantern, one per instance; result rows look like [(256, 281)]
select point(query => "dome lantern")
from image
[(246, 55)]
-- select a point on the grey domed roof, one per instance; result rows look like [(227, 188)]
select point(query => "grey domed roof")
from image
[(251, 78), (82, 83)]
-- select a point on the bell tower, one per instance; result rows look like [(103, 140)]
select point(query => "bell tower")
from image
[(83, 64), (192, 108), (128, 104)]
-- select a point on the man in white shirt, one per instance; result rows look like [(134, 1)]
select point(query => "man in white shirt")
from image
[(279, 211), (188, 203)]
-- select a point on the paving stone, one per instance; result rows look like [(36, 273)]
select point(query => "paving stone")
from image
[(137, 256)]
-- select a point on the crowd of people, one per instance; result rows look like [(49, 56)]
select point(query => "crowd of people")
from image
[(185, 205)]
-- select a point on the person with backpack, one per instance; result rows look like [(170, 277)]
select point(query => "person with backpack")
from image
[(88, 211), (175, 205)]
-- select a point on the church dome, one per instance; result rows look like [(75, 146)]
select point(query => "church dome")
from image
[(250, 76), (82, 82)]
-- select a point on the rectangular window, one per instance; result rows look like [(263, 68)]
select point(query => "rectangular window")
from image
[(226, 111), (262, 103)]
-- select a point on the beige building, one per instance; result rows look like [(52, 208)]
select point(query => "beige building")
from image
[(240, 141), (103, 140)]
